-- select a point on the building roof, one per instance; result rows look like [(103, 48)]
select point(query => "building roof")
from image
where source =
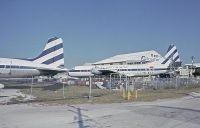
[(148, 55)]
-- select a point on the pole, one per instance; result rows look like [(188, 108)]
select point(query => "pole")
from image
[(120, 78), (126, 83), (176, 83), (32, 86), (110, 81), (156, 87), (63, 89), (133, 84), (90, 93), (192, 65)]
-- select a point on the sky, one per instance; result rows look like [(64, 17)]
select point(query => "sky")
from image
[(93, 30)]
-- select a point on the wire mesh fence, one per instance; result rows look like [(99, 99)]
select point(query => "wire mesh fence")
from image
[(174, 82), (50, 90), (156, 83), (102, 88)]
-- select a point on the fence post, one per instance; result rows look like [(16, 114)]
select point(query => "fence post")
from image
[(110, 82), (90, 93), (32, 86), (176, 86), (63, 89)]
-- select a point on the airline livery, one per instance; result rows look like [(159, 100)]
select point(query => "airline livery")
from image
[(49, 62)]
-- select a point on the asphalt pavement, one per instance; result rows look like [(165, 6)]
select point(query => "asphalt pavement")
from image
[(168, 113)]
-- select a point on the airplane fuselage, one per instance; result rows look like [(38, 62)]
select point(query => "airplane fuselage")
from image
[(17, 68), (137, 70), (150, 69)]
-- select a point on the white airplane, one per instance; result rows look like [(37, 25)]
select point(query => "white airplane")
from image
[(49, 62), (154, 68)]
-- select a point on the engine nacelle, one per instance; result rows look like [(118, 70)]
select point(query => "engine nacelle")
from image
[(96, 71), (1, 86)]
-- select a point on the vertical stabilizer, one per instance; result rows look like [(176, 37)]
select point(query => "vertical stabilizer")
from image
[(171, 55), (53, 53)]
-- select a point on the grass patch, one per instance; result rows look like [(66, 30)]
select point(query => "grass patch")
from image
[(73, 95), (79, 94), (151, 95)]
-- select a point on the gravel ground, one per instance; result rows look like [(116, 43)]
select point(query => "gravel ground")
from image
[(7, 95)]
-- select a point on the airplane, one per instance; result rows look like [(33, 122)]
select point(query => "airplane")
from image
[(159, 67), (49, 62)]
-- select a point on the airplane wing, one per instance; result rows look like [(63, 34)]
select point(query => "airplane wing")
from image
[(107, 71), (51, 71)]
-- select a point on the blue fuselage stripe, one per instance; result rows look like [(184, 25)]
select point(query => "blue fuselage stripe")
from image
[(143, 69), (15, 67)]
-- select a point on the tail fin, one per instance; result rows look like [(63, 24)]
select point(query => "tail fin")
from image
[(53, 53), (171, 55)]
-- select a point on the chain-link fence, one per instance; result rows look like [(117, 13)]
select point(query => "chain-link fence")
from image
[(152, 83), (174, 82), (51, 90), (102, 88)]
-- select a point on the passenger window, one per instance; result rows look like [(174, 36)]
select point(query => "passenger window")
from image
[(7, 66), (2, 66)]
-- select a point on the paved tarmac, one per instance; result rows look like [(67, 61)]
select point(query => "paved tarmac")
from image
[(177, 113)]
